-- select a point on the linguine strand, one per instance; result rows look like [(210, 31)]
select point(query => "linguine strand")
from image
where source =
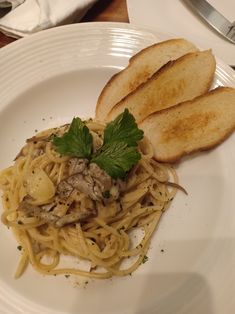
[(103, 241)]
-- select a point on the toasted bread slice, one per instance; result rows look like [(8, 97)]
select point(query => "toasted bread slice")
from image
[(141, 66), (195, 125), (183, 79)]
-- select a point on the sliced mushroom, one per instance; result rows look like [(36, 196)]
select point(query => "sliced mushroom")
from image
[(77, 165), (105, 181), (64, 189), (85, 184), (74, 217), (40, 212)]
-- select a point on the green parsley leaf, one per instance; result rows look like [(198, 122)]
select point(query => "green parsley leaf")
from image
[(123, 129), (106, 194), (116, 159), (118, 153), (76, 142), (145, 259)]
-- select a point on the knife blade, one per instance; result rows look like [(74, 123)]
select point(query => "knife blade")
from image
[(213, 18)]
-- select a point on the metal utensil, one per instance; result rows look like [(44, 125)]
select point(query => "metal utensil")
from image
[(213, 18)]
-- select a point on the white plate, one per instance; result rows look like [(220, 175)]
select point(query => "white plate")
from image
[(48, 78), (174, 16)]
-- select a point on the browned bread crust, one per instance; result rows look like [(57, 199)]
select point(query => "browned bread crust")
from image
[(196, 125), (183, 79), (141, 66)]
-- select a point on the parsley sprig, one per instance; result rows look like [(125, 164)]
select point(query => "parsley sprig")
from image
[(76, 142), (123, 129), (118, 153), (116, 159)]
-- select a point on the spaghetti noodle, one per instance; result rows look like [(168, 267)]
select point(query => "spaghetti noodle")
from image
[(50, 222)]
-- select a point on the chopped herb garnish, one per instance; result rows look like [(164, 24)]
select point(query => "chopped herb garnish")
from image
[(19, 247), (145, 259), (106, 194), (20, 222), (67, 276)]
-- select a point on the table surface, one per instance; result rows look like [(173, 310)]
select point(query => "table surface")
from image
[(103, 10)]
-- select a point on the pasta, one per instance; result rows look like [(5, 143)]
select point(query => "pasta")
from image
[(50, 222)]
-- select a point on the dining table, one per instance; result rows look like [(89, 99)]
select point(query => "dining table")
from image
[(102, 11)]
